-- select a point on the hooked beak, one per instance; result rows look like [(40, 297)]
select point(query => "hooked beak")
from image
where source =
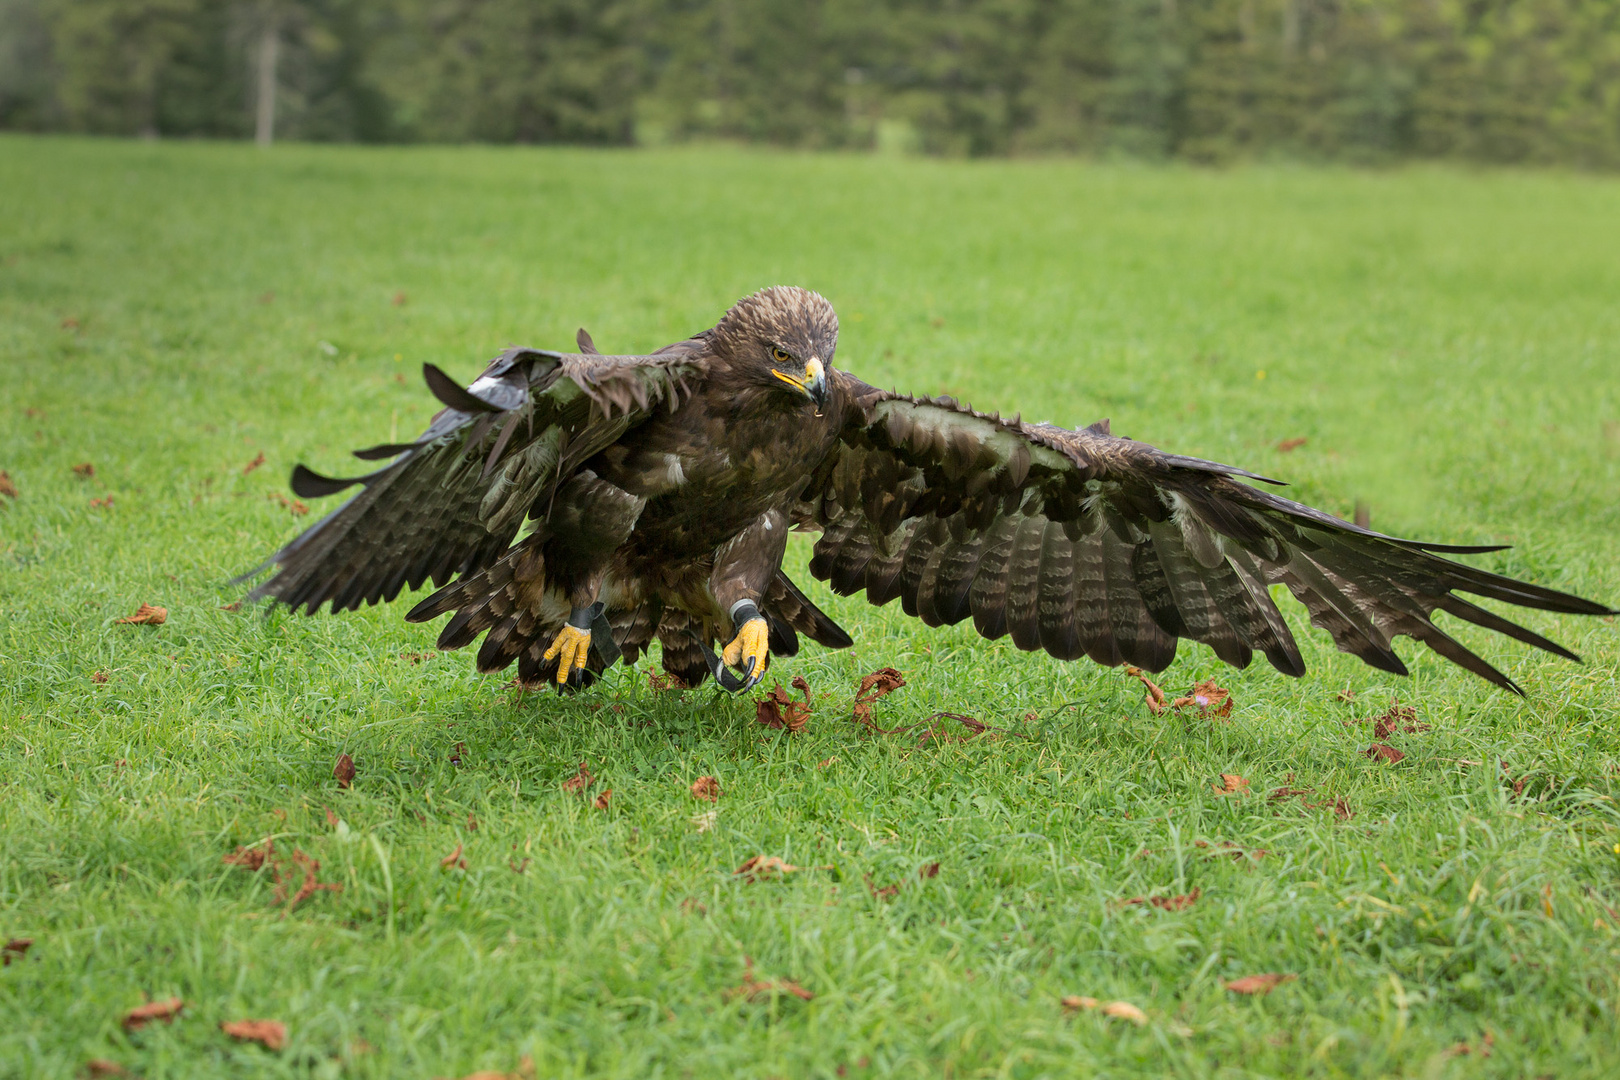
[(812, 385)]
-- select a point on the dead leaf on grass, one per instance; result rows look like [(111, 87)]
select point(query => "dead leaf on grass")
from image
[(825, 763), (764, 867), (235, 605), (146, 615), (102, 1067), (1167, 903), (453, 861), (141, 1015), (1384, 752), (343, 770), (1346, 695), (1288, 446), (1118, 1010), (254, 464), (84, 469), (101, 504), (331, 818), (309, 867), (878, 684), (14, 949), (1155, 696), (1231, 784), (7, 487), (1259, 984), (1287, 792), (666, 680), (758, 990), (399, 298), (1208, 699), (706, 788), (778, 710), (100, 677), (251, 858), (931, 870), (271, 1034), (602, 800), (580, 780)]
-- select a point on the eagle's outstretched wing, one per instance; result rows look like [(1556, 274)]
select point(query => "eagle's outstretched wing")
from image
[(452, 501), (1084, 544)]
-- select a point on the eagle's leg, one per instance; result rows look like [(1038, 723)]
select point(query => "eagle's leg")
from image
[(570, 648), (743, 569)]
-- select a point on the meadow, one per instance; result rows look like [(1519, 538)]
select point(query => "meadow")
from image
[(181, 323)]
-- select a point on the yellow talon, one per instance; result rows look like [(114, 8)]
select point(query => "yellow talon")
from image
[(749, 644), (569, 648)]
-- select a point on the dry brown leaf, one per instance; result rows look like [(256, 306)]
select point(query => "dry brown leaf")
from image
[(399, 298), (1167, 903), (1155, 696), (101, 504), (102, 1067), (878, 684), (1209, 699), (251, 858), (235, 605), (331, 818), (1259, 984), (146, 615), (472, 822), (309, 867), (14, 949), (7, 487), (141, 1015), (778, 710), (825, 763), (602, 800), (887, 892), (254, 464), (343, 770), (1290, 445), (1124, 1010), (1399, 719), (1231, 784), (1287, 792), (1384, 752), (758, 990), (706, 788), (453, 861), (929, 871), (667, 680), (1077, 1001), (761, 867), (580, 780), (272, 1034), (100, 677), (84, 469)]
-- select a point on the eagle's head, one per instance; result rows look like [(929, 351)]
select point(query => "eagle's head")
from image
[(782, 336)]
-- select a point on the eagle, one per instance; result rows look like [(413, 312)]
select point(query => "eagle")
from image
[(570, 508)]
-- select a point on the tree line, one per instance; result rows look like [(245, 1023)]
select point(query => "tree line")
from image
[(1534, 81)]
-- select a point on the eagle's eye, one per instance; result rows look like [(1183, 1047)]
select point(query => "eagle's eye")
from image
[(780, 355)]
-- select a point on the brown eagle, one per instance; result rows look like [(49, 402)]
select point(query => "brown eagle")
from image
[(586, 504)]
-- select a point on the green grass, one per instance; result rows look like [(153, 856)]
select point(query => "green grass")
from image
[(1448, 342)]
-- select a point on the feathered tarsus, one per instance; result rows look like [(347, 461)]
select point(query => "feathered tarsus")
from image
[(643, 497)]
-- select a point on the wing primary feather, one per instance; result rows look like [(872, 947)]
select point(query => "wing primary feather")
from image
[(1477, 615), (453, 393), (383, 451)]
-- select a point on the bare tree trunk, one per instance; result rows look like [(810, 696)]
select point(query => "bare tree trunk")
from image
[(264, 128)]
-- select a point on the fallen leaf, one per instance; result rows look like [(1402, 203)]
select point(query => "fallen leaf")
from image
[(254, 464), (580, 781), (472, 822), (455, 755), (453, 861), (778, 710), (517, 867), (101, 504), (706, 788), (1231, 784), (1124, 1010), (825, 763), (235, 605), (666, 680), (929, 871), (1076, 1001), (1155, 696), (1259, 984), (399, 298), (14, 949), (762, 989), (1384, 752), (309, 866), (1209, 699), (84, 469), (878, 684), (7, 487), (1167, 903), (141, 1015), (1399, 718), (343, 770), (887, 892), (251, 858), (418, 657), (1287, 792), (1288, 446), (146, 615), (103, 1067), (764, 866), (1346, 695), (601, 802), (100, 677), (272, 1034)]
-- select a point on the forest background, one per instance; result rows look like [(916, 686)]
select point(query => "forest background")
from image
[(1365, 81)]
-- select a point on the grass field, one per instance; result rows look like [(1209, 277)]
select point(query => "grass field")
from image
[(1447, 342)]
